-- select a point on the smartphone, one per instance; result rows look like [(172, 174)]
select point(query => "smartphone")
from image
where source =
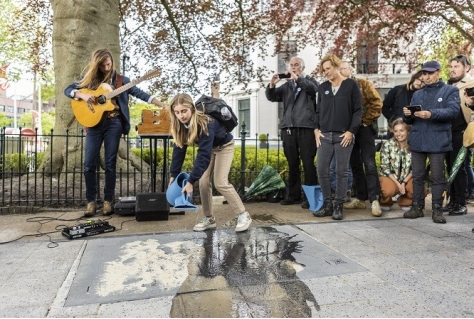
[(414, 108), (284, 75), (470, 91)]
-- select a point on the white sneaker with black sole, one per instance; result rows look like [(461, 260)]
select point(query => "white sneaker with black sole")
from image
[(243, 222), (205, 224)]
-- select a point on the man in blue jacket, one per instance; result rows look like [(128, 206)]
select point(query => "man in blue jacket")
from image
[(297, 126), (101, 69), (430, 137)]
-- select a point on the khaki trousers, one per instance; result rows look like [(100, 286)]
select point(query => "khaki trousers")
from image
[(390, 189), (221, 161)]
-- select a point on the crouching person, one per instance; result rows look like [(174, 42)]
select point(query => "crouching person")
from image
[(395, 169)]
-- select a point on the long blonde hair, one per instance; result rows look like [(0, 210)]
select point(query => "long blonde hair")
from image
[(197, 125), (93, 76)]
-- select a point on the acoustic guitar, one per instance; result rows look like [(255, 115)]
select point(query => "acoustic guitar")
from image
[(91, 114)]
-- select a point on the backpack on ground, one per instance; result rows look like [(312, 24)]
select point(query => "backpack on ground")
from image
[(219, 110)]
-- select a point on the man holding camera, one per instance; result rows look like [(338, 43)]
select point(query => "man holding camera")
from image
[(297, 126), (458, 76), (430, 138)]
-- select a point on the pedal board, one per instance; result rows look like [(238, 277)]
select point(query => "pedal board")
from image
[(90, 228)]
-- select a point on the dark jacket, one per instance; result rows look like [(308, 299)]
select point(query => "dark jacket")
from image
[(341, 112), (122, 99), (217, 137), (434, 135), (397, 98), (299, 111)]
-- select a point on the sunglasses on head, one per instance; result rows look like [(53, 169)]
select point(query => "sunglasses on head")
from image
[(462, 58)]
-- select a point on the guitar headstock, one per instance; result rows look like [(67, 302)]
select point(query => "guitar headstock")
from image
[(151, 74)]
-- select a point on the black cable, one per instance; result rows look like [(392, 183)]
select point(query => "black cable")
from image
[(45, 219)]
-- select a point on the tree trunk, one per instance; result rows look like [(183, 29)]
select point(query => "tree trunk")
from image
[(79, 28)]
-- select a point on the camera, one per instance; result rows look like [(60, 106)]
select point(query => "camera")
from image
[(284, 75), (470, 91)]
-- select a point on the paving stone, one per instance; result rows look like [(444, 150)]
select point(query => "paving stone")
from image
[(354, 309), (24, 311), (332, 290), (147, 308)]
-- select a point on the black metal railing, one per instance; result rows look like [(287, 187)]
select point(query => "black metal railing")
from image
[(46, 170)]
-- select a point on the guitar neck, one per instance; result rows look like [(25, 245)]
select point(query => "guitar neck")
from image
[(124, 88)]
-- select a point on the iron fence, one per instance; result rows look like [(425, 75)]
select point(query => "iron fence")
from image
[(30, 177)]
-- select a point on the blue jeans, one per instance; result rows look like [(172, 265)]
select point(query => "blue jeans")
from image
[(332, 176), (331, 147), (438, 179), (108, 132)]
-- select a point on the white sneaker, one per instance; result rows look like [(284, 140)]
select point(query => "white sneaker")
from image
[(243, 222), (205, 224), (406, 208), (385, 208), (376, 211)]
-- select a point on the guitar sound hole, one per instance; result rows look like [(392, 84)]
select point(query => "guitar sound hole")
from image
[(101, 99)]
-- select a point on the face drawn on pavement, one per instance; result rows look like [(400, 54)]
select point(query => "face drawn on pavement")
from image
[(251, 274)]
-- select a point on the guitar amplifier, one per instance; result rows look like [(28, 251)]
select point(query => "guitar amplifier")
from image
[(155, 122), (125, 206), (152, 206)]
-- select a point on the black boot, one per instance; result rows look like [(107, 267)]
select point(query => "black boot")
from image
[(326, 210), (458, 210), (337, 214), (415, 211), (438, 214)]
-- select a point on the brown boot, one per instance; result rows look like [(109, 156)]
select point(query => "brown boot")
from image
[(91, 209), (107, 208), (414, 212)]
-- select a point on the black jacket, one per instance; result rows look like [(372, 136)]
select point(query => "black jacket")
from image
[(341, 112), (397, 98), (299, 112)]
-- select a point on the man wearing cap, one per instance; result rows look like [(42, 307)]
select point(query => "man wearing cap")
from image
[(430, 137), (458, 76)]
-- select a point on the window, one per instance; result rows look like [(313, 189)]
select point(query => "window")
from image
[(244, 115), (368, 59), (10, 109), (288, 49), (2, 108)]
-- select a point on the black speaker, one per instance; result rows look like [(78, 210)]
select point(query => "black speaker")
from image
[(152, 206)]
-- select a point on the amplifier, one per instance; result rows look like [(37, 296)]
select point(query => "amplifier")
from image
[(125, 206), (90, 228), (152, 206)]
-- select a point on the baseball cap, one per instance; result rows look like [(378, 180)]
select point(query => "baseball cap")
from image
[(431, 66)]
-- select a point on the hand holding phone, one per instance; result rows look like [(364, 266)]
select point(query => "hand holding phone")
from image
[(469, 91), (284, 75), (414, 108)]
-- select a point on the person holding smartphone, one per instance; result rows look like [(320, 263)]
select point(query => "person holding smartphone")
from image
[(430, 138), (297, 125)]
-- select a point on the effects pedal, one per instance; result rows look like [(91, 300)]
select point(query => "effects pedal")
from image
[(89, 228)]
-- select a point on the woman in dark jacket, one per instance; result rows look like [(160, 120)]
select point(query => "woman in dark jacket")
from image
[(214, 156), (400, 96), (338, 117)]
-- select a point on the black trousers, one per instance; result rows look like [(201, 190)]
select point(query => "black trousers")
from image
[(299, 145), (458, 189), (364, 170)]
